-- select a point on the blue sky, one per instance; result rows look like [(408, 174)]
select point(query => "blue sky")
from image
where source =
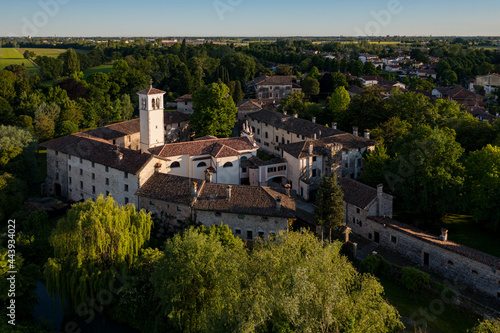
[(249, 18)]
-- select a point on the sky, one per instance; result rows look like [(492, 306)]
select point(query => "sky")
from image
[(277, 18)]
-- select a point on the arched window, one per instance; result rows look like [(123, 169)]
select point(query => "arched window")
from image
[(201, 164), (157, 102), (175, 165), (228, 165), (451, 263), (244, 158)]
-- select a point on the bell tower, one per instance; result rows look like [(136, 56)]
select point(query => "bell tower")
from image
[(151, 117)]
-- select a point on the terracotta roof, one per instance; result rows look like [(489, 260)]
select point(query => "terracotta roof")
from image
[(463, 250), (249, 105), (278, 80), (184, 98), (292, 124), (168, 188), (348, 141), (255, 161), (356, 193), (117, 130), (251, 200), (100, 151), (223, 147), (174, 117), (206, 137), (151, 91)]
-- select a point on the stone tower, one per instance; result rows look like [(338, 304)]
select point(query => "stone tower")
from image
[(151, 115)]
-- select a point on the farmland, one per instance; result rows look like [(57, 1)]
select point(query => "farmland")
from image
[(11, 56), (53, 53), (103, 68)]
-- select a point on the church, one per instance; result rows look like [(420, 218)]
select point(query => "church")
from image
[(127, 161)]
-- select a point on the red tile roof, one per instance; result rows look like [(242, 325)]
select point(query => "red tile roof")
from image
[(184, 98), (221, 147), (151, 91)]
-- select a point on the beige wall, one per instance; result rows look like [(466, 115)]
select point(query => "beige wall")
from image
[(170, 213)]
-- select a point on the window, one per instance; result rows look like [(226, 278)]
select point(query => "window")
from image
[(394, 239), (93, 164), (81, 172), (218, 213), (266, 144), (303, 137), (243, 158), (107, 193), (125, 174), (201, 164), (369, 235), (264, 218), (249, 235), (266, 135), (272, 236), (314, 158), (237, 231), (125, 188), (271, 169), (451, 263), (69, 167), (243, 170), (358, 210), (93, 176), (175, 165), (314, 172), (69, 157), (152, 203), (287, 141), (282, 168), (298, 136), (258, 130), (107, 181), (114, 142), (57, 164), (474, 272), (57, 153), (81, 160), (57, 175), (70, 180), (126, 200), (93, 189), (228, 165), (261, 234), (277, 139), (179, 209), (81, 185), (107, 169)]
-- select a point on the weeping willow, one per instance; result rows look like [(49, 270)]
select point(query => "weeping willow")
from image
[(93, 244)]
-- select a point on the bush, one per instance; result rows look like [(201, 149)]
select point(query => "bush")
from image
[(486, 326), (414, 279), (375, 265), (441, 289)]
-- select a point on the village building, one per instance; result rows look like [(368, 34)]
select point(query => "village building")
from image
[(490, 82), (272, 87), (185, 104)]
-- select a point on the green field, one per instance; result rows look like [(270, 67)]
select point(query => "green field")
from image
[(53, 53), (103, 68), (11, 56)]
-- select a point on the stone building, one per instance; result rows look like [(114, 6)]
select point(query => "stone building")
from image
[(185, 104), (249, 211), (272, 87)]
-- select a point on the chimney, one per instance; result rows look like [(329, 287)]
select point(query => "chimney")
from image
[(287, 188), (228, 192), (314, 120), (355, 131), (444, 235), (295, 115), (380, 191), (311, 147), (208, 176), (367, 134), (119, 154), (158, 167), (278, 203), (315, 136), (319, 134), (334, 125), (194, 189)]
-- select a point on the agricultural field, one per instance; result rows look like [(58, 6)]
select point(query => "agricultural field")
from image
[(53, 53), (11, 56), (103, 68)]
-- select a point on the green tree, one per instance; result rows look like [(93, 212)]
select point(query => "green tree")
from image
[(199, 281), (426, 173), (449, 77), (65, 128), (127, 107), (29, 54), (310, 86), (71, 63), (375, 165), (339, 80), (486, 326), (237, 93), (92, 244), (483, 185), (366, 110), (7, 115), (391, 131), (214, 111), (240, 66), (7, 85), (17, 153), (12, 195), (284, 70), (314, 73), (329, 209), (293, 103), (338, 103)]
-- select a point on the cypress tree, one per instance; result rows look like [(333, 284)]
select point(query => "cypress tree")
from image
[(329, 210)]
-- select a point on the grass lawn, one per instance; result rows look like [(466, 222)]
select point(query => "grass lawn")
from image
[(103, 68), (11, 56), (445, 317), (53, 53)]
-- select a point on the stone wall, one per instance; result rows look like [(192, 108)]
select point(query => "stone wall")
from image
[(465, 266), (242, 225)]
